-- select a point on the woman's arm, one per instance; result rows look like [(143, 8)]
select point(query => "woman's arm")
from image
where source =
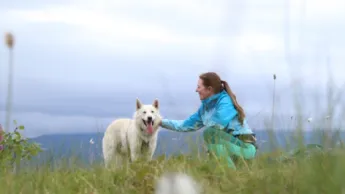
[(193, 123)]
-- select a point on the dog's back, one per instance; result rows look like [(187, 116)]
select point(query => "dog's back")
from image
[(177, 183), (117, 129), (115, 135)]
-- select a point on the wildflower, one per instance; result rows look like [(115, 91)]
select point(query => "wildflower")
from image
[(310, 120), (91, 141)]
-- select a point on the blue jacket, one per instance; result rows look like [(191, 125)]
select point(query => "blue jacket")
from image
[(217, 111)]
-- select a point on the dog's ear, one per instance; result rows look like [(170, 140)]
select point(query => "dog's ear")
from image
[(156, 104), (138, 104)]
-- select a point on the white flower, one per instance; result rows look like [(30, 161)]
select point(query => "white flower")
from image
[(310, 120), (91, 141), (177, 183)]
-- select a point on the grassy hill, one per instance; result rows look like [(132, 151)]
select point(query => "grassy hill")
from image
[(320, 173)]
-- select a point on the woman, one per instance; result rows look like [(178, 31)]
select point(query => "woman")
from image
[(226, 130)]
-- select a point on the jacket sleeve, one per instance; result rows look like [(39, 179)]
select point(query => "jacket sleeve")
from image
[(193, 123), (224, 114)]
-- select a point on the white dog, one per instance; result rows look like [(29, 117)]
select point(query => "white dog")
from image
[(127, 139)]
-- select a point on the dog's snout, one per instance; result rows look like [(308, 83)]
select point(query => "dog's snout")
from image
[(149, 118)]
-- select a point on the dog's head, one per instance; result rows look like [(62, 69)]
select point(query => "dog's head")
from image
[(148, 116)]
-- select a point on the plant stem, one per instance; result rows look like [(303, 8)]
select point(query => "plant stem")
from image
[(273, 102), (9, 90)]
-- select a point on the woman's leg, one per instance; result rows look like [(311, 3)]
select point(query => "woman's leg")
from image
[(221, 153), (226, 145)]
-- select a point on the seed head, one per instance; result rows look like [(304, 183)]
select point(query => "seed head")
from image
[(9, 40), (310, 120), (274, 76)]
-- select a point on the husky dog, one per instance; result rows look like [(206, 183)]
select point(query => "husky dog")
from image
[(177, 183), (128, 139)]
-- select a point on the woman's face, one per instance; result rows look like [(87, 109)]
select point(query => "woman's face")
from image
[(204, 92)]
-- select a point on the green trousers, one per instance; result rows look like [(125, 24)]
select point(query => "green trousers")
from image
[(225, 145)]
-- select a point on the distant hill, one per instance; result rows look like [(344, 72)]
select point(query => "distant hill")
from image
[(60, 146)]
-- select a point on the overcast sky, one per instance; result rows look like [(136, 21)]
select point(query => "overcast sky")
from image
[(81, 63)]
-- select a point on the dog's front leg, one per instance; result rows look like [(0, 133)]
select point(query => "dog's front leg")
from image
[(151, 150), (134, 150), (134, 155)]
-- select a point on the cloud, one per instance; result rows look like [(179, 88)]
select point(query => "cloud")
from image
[(49, 108), (321, 10), (106, 30), (37, 123), (80, 60), (104, 25)]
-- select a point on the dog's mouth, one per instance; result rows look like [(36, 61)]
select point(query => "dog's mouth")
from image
[(149, 125)]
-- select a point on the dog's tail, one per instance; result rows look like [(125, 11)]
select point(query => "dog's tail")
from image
[(177, 183)]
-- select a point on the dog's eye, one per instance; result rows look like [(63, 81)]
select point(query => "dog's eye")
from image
[(152, 111), (144, 112)]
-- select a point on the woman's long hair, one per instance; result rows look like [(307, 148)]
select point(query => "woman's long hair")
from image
[(211, 79)]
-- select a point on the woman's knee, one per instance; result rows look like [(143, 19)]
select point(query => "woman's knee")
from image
[(249, 152)]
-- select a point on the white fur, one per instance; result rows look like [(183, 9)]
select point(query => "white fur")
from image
[(123, 138), (177, 183)]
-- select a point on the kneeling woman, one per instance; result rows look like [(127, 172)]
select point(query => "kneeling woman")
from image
[(226, 131)]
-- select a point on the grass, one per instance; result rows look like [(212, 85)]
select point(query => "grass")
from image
[(321, 173)]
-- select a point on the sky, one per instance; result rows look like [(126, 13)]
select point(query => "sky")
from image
[(80, 64)]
